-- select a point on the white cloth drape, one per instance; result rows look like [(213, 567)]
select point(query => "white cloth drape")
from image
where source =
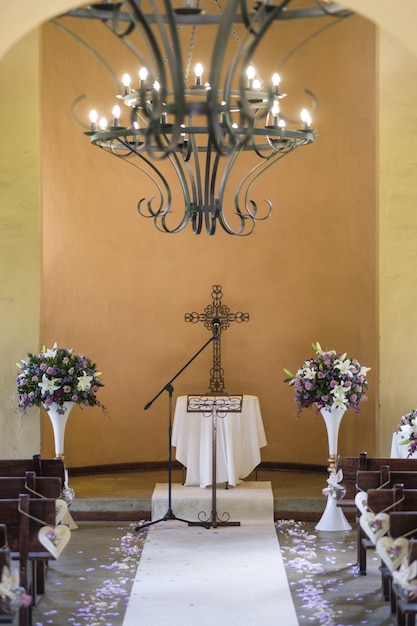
[(239, 439), (399, 451)]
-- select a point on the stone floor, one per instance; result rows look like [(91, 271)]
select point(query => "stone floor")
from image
[(90, 583)]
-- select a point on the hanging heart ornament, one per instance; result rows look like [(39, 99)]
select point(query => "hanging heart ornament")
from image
[(406, 574), (54, 539), (392, 551), (8, 582), (361, 501), (374, 526), (61, 508)]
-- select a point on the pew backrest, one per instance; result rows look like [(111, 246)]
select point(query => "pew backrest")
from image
[(35, 486), (385, 478), (403, 523), (23, 517), (395, 499)]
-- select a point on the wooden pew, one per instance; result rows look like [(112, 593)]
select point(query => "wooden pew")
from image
[(41, 467), (406, 608), (350, 465), (36, 487), (402, 524), (380, 500), (24, 516), (385, 478), (5, 616), (30, 483)]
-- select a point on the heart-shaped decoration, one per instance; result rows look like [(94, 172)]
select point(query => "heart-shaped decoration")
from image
[(392, 551), (54, 539), (69, 521), (8, 582), (361, 501), (61, 508), (407, 572), (374, 526)]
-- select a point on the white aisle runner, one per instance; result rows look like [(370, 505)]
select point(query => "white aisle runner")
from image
[(193, 576)]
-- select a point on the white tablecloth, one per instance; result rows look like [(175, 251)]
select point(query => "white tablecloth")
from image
[(399, 451), (239, 439)]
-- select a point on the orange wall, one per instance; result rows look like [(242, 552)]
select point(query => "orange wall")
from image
[(116, 289)]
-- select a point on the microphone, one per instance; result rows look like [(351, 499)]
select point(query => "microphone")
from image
[(216, 327)]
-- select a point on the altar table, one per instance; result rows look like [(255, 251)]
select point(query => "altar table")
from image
[(399, 451), (239, 439)]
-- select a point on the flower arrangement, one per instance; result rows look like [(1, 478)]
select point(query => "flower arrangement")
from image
[(408, 431), (330, 380), (57, 375)]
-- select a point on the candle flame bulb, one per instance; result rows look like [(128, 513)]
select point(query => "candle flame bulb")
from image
[(143, 75), (126, 83), (306, 119), (116, 114), (103, 123), (275, 83), (198, 70), (250, 73), (93, 119), (275, 113)]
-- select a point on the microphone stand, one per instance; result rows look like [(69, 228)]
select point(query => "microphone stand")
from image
[(169, 515)]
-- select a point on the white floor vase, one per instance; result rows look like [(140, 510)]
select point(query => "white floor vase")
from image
[(333, 518), (59, 422)]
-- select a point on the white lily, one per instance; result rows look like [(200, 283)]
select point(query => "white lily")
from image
[(49, 385), (339, 391), (406, 432), (50, 352), (343, 366), (84, 382), (339, 403)]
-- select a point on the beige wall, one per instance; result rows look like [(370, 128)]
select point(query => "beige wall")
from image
[(118, 290), (20, 256), (243, 288), (397, 231)]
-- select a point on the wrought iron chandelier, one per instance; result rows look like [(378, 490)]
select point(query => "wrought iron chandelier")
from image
[(189, 139)]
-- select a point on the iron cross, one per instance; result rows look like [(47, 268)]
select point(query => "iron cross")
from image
[(217, 317)]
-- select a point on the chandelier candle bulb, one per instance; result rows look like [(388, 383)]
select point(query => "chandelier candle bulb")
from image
[(275, 83), (93, 119), (275, 114), (103, 123), (126, 83), (198, 70), (306, 119), (143, 75), (250, 73), (116, 115)]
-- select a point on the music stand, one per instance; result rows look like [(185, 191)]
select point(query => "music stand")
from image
[(215, 406)]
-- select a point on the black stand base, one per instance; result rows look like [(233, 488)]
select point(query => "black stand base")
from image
[(169, 516), (212, 523)]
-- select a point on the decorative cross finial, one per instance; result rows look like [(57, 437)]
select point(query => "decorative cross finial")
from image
[(217, 318)]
